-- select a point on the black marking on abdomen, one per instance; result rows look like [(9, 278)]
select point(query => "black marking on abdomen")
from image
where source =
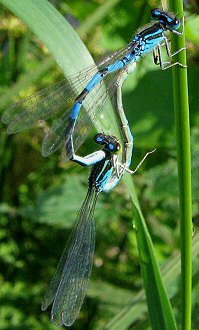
[(82, 96)]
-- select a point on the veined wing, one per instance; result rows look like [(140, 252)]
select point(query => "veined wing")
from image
[(70, 282), (52, 100), (59, 134), (55, 102), (48, 103)]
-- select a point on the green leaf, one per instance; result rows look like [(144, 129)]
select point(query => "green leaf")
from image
[(134, 311), (159, 307), (57, 34), (63, 42)]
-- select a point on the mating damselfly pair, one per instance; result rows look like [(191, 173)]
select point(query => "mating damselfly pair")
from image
[(69, 284)]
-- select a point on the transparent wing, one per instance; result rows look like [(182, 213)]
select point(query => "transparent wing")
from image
[(47, 103), (70, 282), (59, 134), (54, 104)]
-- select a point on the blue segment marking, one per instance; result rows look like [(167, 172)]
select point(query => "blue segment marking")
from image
[(76, 110)]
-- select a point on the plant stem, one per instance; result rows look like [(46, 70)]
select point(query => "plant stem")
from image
[(181, 106)]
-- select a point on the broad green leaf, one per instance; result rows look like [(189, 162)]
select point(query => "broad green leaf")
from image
[(63, 42)]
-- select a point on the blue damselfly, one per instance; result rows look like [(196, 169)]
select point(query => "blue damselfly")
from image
[(62, 101)]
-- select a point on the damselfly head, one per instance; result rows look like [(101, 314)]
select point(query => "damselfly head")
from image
[(169, 20), (109, 142)]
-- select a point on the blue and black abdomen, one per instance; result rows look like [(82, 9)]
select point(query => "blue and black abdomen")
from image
[(101, 174)]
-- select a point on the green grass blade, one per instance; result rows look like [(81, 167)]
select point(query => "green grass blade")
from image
[(159, 307), (48, 63), (63, 42), (57, 34), (181, 107), (171, 272)]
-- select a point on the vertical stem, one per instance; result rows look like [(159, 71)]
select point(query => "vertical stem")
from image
[(181, 106)]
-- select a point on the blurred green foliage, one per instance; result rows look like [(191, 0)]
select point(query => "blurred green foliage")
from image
[(40, 197)]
